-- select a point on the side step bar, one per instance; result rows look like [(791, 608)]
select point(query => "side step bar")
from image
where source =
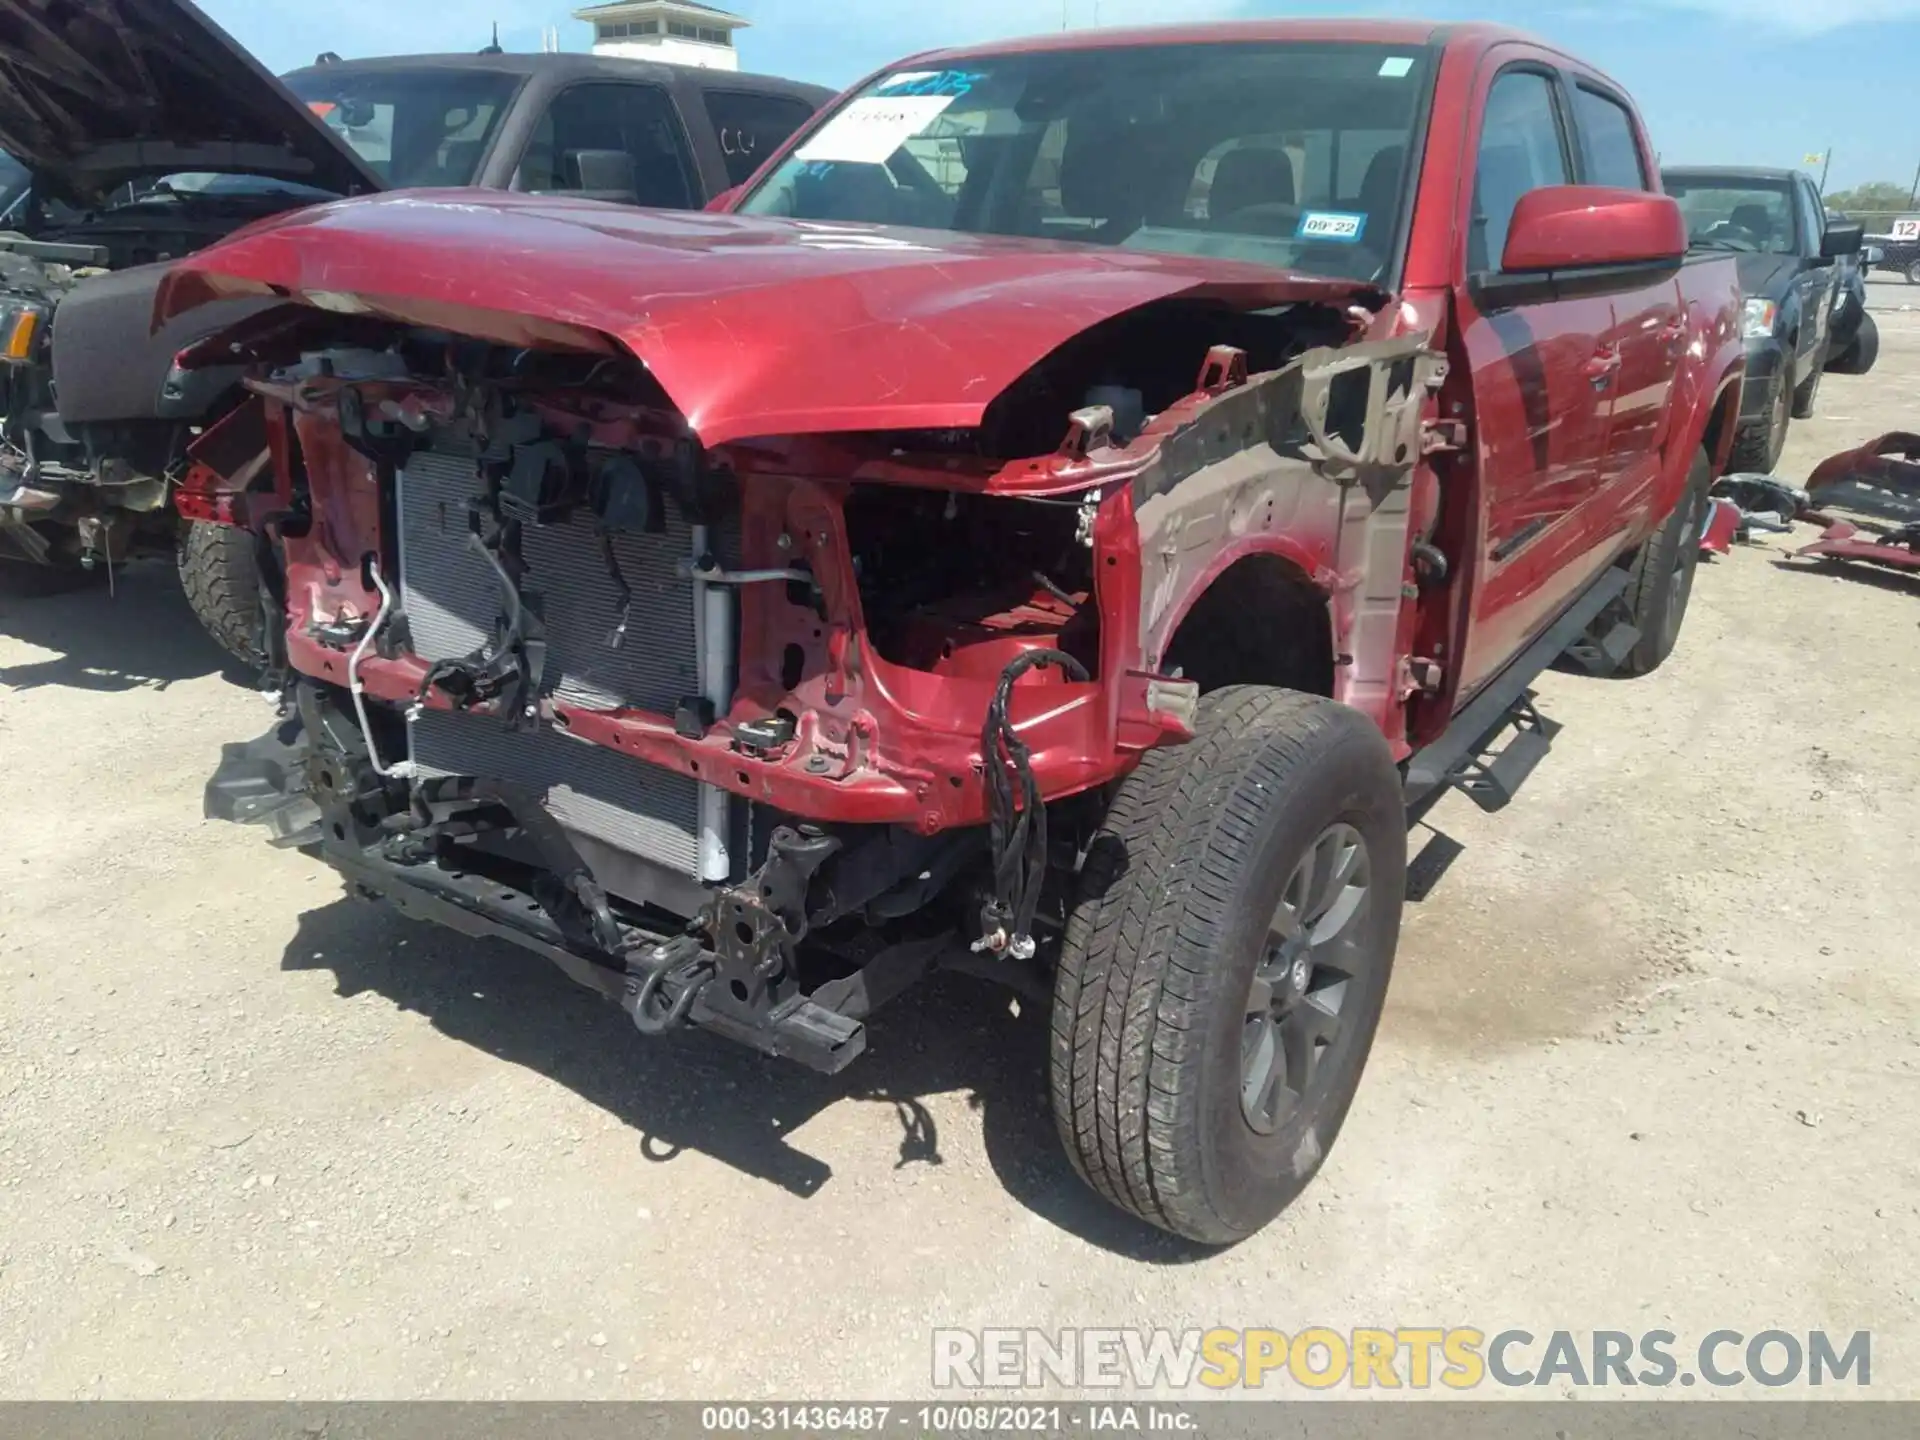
[(1461, 759)]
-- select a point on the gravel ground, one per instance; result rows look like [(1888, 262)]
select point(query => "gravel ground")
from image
[(1648, 1061)]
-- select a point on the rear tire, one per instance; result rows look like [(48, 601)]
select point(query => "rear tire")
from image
[(1213, 1009), (1863, 353), (1663, 573), (1912, 272), (222, 581)]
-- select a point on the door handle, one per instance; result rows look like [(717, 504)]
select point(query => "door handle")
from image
[(1604, 365)]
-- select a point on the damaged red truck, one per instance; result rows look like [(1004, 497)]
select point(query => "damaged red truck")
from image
[(1060, 520)]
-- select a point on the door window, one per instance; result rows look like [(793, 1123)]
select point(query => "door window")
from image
[(1522, 148), (1813, 219), (1606, 130), (752, 127), (615, 142)]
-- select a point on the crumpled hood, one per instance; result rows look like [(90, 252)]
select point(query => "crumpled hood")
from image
[(1767, 277), (753, 326), (94, 93)]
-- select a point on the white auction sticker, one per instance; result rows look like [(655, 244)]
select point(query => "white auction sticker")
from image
[(1331, 225), (869, 130)]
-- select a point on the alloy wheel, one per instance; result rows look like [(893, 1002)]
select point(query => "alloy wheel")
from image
[(1312, 958)]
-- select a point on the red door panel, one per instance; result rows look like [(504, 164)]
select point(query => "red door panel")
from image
[(1543, 379)]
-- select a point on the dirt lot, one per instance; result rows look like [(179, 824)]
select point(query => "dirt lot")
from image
[(1649, 1060)]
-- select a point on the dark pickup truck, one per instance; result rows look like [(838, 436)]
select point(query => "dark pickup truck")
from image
[(173, 137), (1788, 253)]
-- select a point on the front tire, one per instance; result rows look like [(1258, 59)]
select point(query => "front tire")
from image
[(1757, 448), (222, 581), (1663, 573), (1912, 272), (1226, 962), (1807, 396)]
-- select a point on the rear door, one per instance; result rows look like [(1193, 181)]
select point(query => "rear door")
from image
[(1648, 323), (1543, 373)]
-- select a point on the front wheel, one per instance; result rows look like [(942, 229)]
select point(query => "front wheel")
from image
[(1757, 448), (1807, 395), (1913, 271), (1226, 962), (1662, 577), (221, 578)]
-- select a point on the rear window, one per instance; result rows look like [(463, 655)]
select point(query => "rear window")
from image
[(751, 127), (413, 128)]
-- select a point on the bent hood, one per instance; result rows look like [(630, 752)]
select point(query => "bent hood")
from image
[(94, 93), (753, 326)]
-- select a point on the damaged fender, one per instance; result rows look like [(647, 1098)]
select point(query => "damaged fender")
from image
[(1312, 463)]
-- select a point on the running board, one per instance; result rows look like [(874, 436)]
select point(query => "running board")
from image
[(1607, 654), (1461, 756), (1491, 781)]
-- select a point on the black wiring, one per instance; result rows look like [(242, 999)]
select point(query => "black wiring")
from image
[(1016, 814)]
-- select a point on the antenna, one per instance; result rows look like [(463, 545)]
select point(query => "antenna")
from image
[(494, 48)]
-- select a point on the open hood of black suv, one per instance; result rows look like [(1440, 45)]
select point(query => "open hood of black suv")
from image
[(94, 93)]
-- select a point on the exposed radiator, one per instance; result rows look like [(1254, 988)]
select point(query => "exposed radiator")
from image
[(452, 599)]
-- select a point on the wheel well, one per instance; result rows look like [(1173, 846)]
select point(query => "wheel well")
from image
[(1262, 622), (1720, 426)]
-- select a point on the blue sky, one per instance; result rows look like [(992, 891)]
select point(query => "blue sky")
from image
[(1757, 82)]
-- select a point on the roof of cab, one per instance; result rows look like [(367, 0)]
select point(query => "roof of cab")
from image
[(1376, 32), (1728, 172), (571, 66)]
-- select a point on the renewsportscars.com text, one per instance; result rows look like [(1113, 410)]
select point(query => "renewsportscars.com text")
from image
[(1412, 1358)]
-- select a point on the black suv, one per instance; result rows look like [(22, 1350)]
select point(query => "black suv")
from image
[(1789, 254), (173, 138)]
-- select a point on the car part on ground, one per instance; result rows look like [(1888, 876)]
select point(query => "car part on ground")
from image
[(1722, 527), (867, 589), (1869, 500)]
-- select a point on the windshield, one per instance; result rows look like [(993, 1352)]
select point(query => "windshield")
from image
[(413, 128), (1290, 155), (1736, 215)]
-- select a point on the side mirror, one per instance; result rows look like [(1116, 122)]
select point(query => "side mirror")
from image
[(1587, 227), (1568, 240), (724, 200), (1843, 238)]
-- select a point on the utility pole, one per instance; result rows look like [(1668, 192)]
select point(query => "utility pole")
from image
[(1825, 169), (1913, 195)]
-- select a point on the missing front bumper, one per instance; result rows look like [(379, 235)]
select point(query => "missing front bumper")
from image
[(716, 973)]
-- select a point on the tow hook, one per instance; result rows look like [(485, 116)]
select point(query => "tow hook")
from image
[(685, 962)]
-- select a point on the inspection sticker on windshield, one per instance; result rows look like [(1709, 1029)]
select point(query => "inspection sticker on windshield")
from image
[(868, 131), (1396, 67), (1331, 225)]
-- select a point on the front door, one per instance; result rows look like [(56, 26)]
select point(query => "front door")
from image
[(1544, 376)]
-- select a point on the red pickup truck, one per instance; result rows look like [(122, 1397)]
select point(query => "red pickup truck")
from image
[(1059, 521)]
